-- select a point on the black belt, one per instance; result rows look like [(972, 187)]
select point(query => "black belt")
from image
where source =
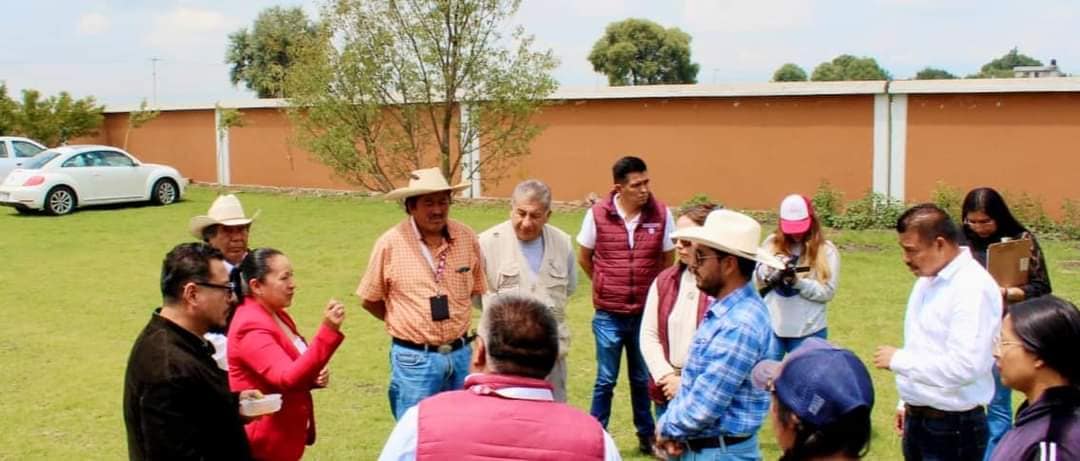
[(714, 442), (440, 348), (934, 413)]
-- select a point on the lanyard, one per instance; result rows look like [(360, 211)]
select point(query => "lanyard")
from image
[(440, 268)]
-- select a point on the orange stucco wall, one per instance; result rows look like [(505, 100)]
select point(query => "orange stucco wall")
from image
[(181, 139), (1012, 142), (743, 152)]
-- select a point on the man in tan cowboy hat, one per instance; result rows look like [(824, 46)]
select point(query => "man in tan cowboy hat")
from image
[(420, 280), (717, 411), (225, 227)]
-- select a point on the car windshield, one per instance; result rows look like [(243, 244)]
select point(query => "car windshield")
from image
[(39, 160)]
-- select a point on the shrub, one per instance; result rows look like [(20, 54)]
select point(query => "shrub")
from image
[(948, 198), (1028, 209), (828, 203), (1069, 225), (872, 211)]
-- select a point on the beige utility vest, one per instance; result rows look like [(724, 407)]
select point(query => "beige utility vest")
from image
[(508, 271)]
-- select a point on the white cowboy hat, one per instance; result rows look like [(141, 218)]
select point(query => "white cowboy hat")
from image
[(733, 233), (226, 210), (421, 182)]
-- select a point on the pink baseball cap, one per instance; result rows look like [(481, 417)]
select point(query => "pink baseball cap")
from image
[(796, 212)]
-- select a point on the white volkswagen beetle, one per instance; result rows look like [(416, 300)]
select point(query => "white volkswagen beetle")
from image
[(61, 179)]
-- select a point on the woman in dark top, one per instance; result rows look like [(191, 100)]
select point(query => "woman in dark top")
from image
[(1036, 354), (987, 220)]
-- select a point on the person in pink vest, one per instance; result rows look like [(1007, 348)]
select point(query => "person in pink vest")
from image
[(507, 409), (673, 310), (625, 242)]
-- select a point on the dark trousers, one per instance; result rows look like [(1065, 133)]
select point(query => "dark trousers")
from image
[(936, 435)]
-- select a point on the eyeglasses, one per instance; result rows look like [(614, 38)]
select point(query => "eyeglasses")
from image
[(698, 255), (1000, 344), (680, 242), (228, 287)]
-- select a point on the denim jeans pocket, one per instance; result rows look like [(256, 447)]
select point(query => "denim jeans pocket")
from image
[(410, 359), (941, 428)]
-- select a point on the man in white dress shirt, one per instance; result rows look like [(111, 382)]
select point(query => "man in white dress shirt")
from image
[(943, 372)]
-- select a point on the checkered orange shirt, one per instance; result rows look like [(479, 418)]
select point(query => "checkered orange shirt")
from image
[(399, 275)]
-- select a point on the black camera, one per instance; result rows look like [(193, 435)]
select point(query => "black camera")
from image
[(783, 279)]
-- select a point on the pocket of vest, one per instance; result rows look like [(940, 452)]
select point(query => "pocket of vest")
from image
[(508, 280)]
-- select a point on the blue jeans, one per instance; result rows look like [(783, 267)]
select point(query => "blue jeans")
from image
[(747, 450), (999, 414), (959, 437), (613, 332), (415, 375), (782, 346)]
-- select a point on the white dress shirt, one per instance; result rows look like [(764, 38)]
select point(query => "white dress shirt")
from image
[(949, 330), (401, 446)]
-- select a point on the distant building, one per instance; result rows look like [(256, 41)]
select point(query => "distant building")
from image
[(1038, 71)]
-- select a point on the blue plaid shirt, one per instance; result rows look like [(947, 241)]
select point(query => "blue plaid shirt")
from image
[(716, 397)]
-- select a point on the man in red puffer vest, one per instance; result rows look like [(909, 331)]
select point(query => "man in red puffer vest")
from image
[(507, 410), (625, 242)]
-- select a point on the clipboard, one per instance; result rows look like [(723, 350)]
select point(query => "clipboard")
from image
[(1010, 262)]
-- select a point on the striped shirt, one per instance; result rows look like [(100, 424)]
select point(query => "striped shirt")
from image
[(716, 397), (399, 274)]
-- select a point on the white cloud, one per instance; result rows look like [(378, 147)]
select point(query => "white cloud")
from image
[(185, 27), (93, 24), (745, 16)]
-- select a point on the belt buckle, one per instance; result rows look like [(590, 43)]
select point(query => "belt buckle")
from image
[(445, 349)]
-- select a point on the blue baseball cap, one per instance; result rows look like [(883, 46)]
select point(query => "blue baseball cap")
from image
[(818, 381)]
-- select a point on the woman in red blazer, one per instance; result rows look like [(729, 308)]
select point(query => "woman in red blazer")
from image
[(267, 353)]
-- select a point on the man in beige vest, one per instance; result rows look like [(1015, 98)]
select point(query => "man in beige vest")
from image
[(526, 256)]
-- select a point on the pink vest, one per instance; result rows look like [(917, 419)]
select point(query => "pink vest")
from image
[(478, 423), (667, 290), (621, 275)]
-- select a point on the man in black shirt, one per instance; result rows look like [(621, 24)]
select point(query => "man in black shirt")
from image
[(177, 403)]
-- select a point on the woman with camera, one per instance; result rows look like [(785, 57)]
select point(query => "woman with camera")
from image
[(987, 220), (797, 295), (1036, 355)]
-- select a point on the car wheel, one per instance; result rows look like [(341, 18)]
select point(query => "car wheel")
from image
[(165, 192), (60, 201)]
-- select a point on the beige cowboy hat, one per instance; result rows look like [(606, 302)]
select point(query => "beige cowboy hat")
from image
[(733, 233), (226, 210), (426, 181)]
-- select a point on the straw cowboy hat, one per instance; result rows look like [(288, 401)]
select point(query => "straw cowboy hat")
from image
[(421, 182), (731, 232), (226, 210)]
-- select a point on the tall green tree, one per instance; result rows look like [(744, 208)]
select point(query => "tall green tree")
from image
[(56, 119), (642, 52), (933, 73), (261, 57), (789, 72), (1003, 67), (388, 80), (848, 67), (8, 112)]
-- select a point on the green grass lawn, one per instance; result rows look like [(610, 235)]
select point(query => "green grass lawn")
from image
[(76, 290)]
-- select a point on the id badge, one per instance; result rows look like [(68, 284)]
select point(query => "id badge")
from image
[(440, 307)]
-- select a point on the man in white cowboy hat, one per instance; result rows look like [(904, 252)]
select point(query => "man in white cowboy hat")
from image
[(526, 255), (717, 411), (226, 228), (420, 280)]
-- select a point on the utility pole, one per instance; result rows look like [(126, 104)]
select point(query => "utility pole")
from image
[(153, 63)]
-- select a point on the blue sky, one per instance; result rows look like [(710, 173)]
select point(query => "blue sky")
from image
[(103, 47)]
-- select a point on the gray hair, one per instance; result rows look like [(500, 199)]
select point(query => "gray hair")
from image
[(532, 189)]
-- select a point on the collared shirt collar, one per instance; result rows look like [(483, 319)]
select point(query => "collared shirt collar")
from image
[(718, 305), (950, 269)]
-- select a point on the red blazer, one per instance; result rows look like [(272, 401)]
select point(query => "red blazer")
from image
[(262, 357)]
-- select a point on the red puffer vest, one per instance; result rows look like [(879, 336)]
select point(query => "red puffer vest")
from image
[(621, 275), (479, 423), (667, 290)]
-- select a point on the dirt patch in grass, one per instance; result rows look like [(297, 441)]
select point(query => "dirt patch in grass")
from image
[(865, 247), (1070, 265)]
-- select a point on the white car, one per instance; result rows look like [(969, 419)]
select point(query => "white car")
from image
[(61, 179), (14, 151)]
